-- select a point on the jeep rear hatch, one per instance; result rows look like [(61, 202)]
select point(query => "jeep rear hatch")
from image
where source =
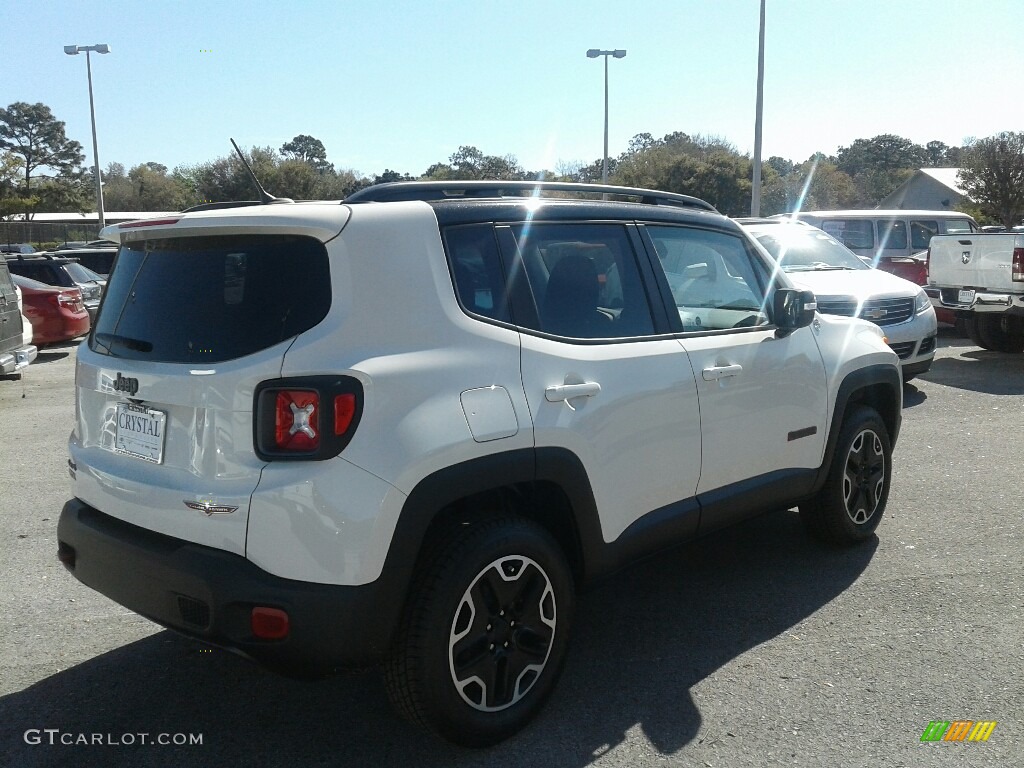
[(189, 327)]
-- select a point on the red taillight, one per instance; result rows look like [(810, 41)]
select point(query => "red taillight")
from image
[(1018, 265), (297, 420), (306, 418), (269, 623)]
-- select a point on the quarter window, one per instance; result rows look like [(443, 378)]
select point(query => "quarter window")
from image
[(958, 226), (585, 280), (714, 281), (477, 272)]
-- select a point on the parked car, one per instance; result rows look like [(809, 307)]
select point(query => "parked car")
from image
[(16, 347), (99, 260), (981, 279), (879, 235), (61, 271), (56, 314), (408, 427), (16, 248), (845, 285)]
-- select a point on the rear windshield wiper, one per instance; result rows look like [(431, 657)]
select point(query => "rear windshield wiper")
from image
[(107, 340)]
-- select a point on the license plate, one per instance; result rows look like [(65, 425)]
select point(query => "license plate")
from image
[(140, 432), (965, 297)]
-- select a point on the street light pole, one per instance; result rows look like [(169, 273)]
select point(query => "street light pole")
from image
[(755, 193), (593, 53), (74, 50)]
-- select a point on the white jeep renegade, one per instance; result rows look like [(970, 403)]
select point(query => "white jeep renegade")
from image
[(410, 426)]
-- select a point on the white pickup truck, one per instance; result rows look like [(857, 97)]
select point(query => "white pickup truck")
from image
[(981, 277)]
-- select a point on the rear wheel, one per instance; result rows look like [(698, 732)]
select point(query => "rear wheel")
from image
[(850, 505), (1001, 334), (484, 637), (972, 330)]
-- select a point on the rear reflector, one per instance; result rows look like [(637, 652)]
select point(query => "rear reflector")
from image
[(344, 411), (1018, 265), (269, 623)]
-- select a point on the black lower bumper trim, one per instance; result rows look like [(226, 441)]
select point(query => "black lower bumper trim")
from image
[(209, 594)]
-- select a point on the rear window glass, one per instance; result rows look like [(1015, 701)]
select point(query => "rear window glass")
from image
[(210, 299)]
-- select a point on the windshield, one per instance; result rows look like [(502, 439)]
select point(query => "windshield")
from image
[(210, 299), (801, 249)]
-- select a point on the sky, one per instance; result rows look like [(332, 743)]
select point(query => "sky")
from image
[(402, 84)]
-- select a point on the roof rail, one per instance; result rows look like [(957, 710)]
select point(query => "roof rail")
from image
[(449, 190)]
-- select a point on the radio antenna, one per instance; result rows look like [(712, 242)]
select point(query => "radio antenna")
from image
[(265, 197)]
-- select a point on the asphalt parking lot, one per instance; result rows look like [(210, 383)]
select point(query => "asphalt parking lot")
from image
[(754, 647)]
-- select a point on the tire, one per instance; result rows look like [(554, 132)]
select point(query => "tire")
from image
[(850, 505), (1001, 334), (971, 327), (461, 666)]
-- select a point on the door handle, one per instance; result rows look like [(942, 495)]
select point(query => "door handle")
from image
[(566, 392), (721, 372)]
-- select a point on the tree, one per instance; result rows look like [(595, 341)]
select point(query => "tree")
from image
[(32, 132), (782, 166), (309, 150), (10, 172), (469, 163), (390, 176), (880, 164), (992, 174)]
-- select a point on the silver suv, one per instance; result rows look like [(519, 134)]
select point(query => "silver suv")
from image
[(409, 426)]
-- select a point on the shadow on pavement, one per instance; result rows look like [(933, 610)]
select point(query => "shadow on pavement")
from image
[(640, 643), (913, 396), (978, 370), (50, 354)]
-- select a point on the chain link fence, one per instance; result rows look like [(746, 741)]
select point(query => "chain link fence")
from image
[(44, 235)]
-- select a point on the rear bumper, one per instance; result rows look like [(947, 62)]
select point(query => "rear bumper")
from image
[(984, 301), (11, 362), (209, 594)]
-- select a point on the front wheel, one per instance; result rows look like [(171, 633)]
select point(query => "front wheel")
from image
[(485, 634), (850, 505)]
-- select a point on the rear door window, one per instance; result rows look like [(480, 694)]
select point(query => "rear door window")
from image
[(892, 234), (210, 299), (853, 233), (585, 281)]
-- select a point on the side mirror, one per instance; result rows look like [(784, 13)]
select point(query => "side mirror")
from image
[(793, 309)]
